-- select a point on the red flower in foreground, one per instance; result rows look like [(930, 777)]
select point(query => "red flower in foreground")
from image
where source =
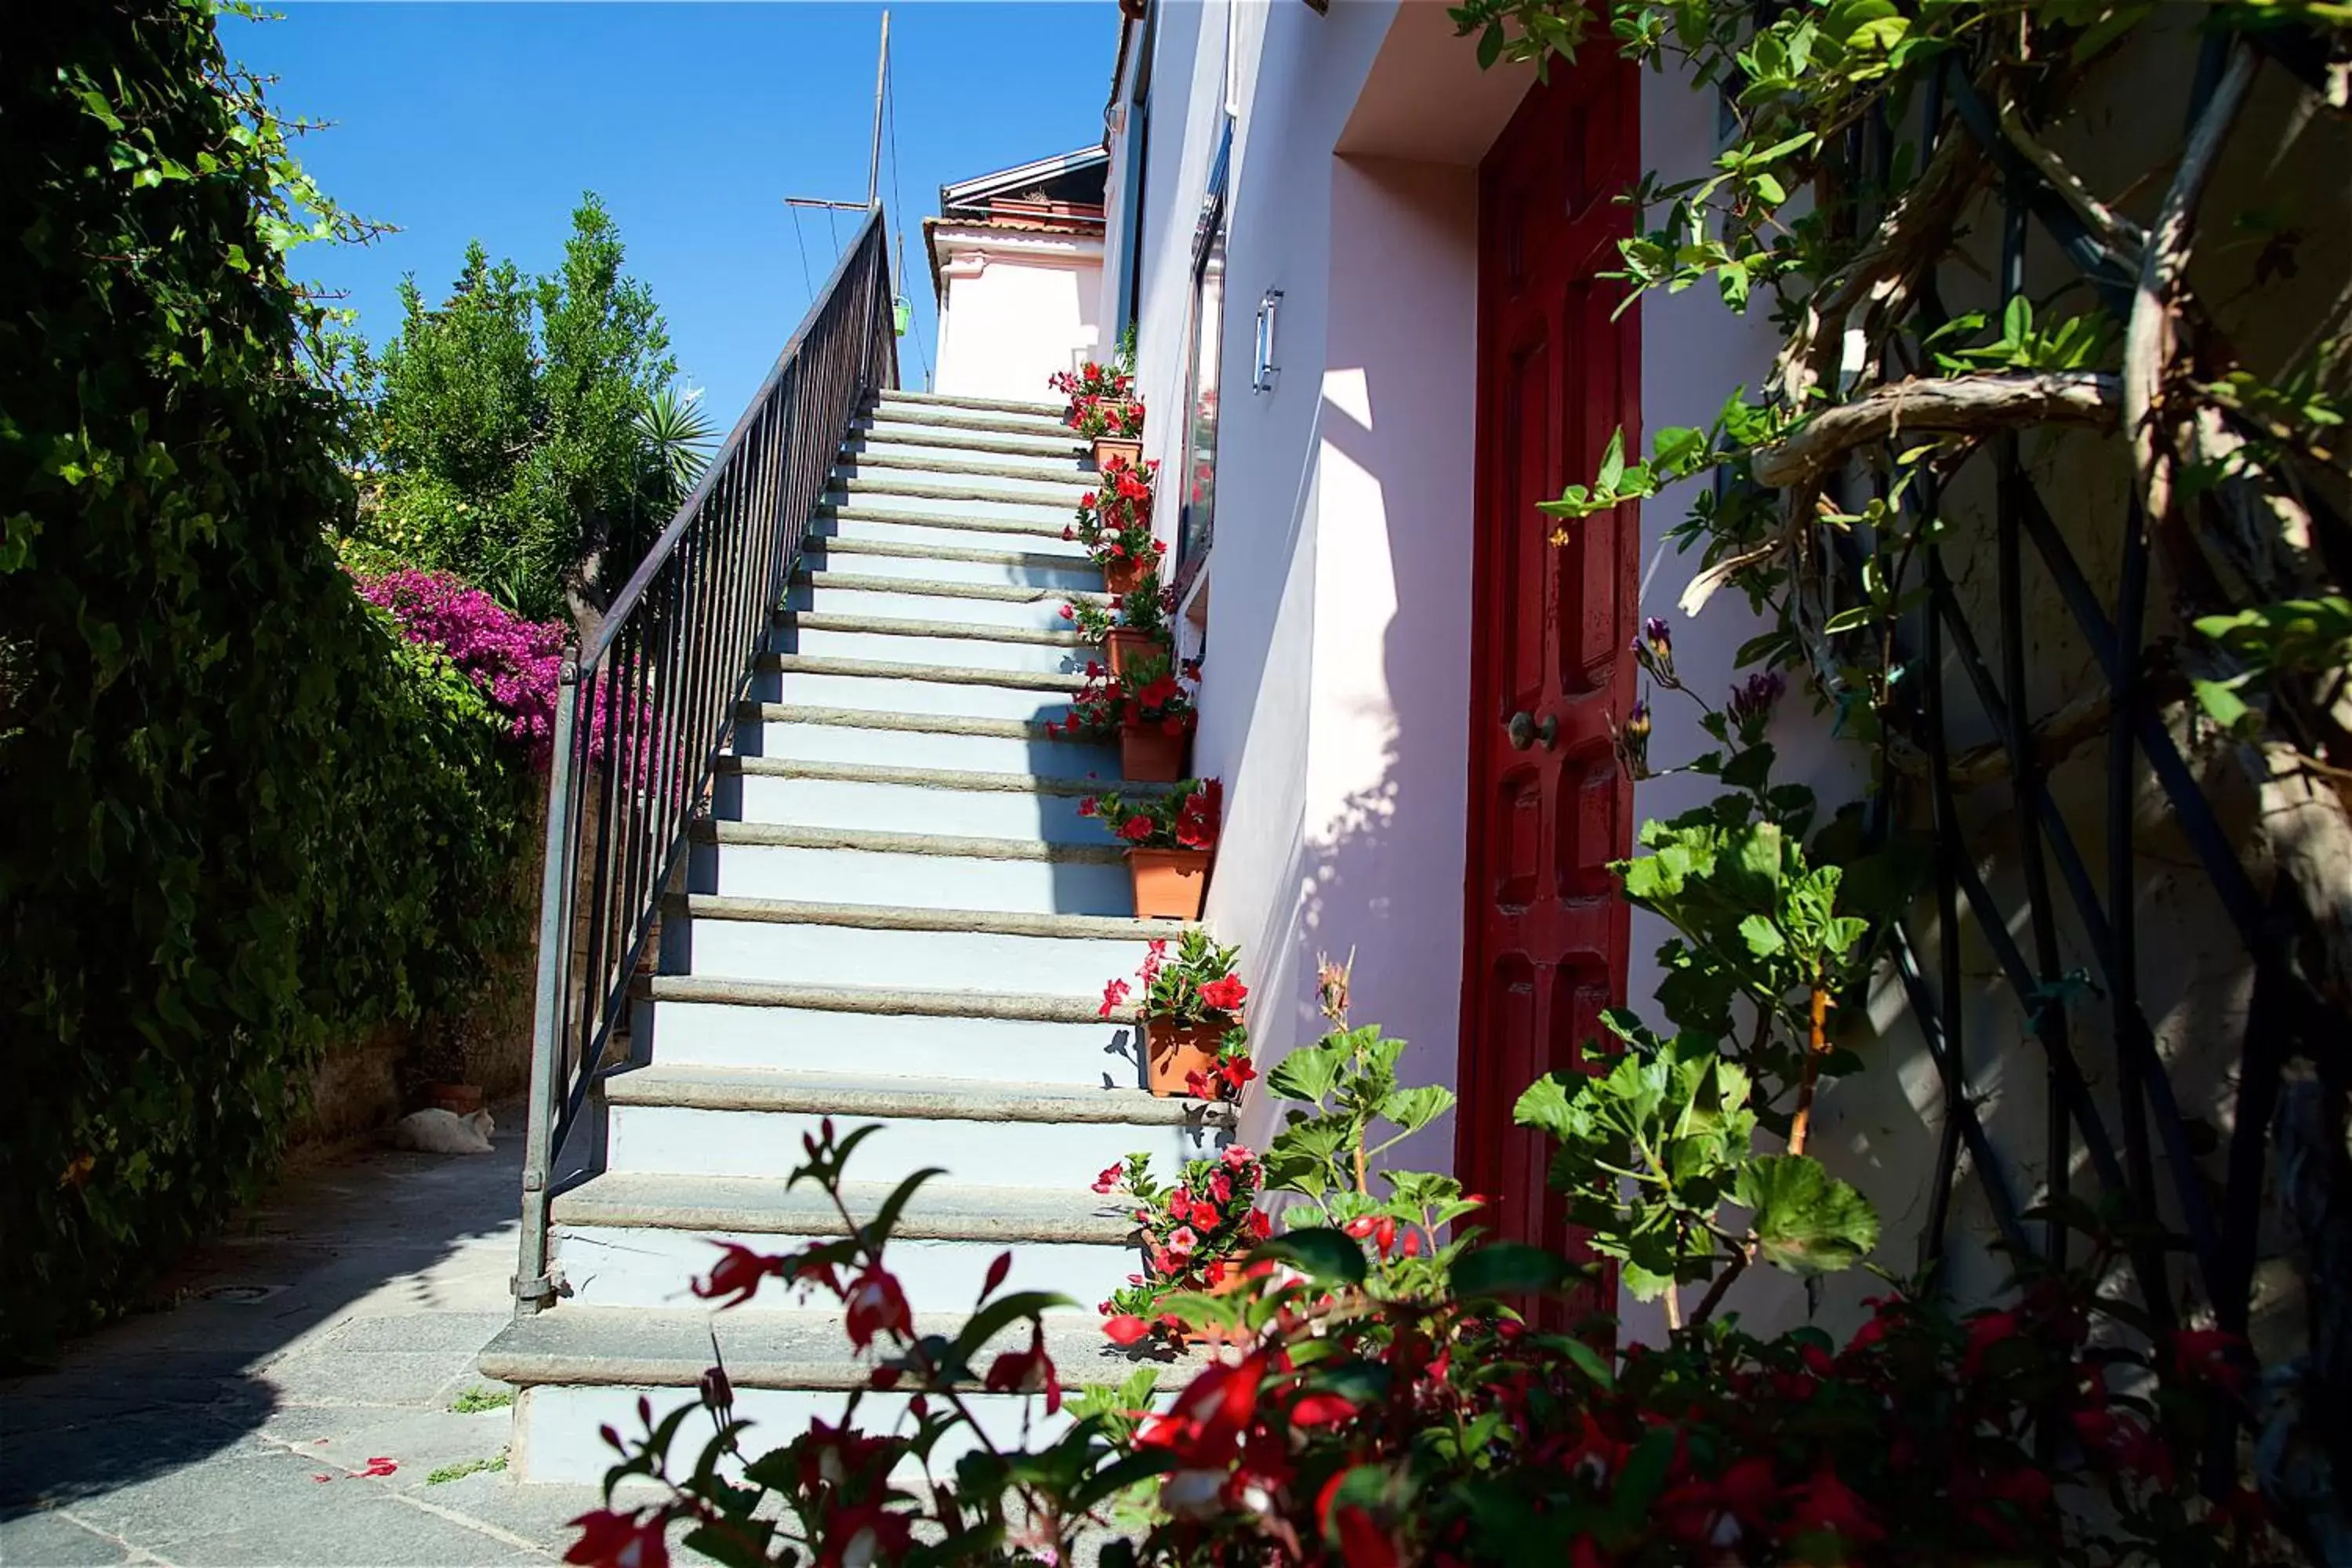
[(1363, 1543), (1110, 1178), (1826, 1504), (1225, 995), (1125, 1329), (1114, 996), (867, 1534), (737, 1275), (1027, 1372), (876, 1305), (1136, 829), (610, 1539)]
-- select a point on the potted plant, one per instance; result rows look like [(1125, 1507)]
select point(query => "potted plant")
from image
[(1114, 523), (1156, 718), (1104, 409), (1094, 713), (1193, 1234), (1133, 623), (1191, 1005), (1169, 838)]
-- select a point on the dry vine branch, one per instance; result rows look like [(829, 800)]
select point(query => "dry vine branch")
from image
[(1967, 404)]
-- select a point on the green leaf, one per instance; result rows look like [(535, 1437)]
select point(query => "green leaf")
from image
[(1308, 1073), (1003, 1313), (1612, 463), (1320, 1252), (2221, 703), (1508, 1268), (1807, 1221), (1763, 938), (1413, 1109)]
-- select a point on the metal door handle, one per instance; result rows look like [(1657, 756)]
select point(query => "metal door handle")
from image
[(1525, 731)]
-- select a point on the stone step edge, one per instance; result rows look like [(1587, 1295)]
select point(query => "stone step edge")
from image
[(770, 1205), (936, 674), (1001, 445), (784, 836), (814, 544), (928, 778), (962, 631), (921, 1100), (998, 593), (888, 917), (913, 724), (918, 417), (1009, 1006), (1013, 525), (1043, 408), (620, 1347), (1076, 480), (1050, 500)]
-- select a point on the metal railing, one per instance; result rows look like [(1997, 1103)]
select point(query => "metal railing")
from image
[(647, 704)]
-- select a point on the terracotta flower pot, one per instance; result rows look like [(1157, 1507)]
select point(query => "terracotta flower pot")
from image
[(1123, 644), (456, 1099), (1169, 882), (1148, 753), (1121, 576), (1175, 1052), (1129, 449)]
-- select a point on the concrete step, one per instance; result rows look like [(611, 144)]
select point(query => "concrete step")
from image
[(912, 525), (1005, 501), (845, 735), (795, 943), (765, 861), (690, 1021), (907, 800), (962, 645), (894, 421), (639, 1241), (1043, 407), (885, 687), (581, 1368), (1064, 451), (1061, 480), (924, 562), (698, 1121), (834, 593)]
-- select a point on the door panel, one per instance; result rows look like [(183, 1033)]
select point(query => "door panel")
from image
[(1546, 932)]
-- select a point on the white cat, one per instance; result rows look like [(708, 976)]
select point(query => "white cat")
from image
[(444, 1133)]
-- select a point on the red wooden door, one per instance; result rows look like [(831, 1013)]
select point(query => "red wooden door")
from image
[(1546, 935)]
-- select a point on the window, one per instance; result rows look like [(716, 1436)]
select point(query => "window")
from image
[(1196, 521), (1128, 305)]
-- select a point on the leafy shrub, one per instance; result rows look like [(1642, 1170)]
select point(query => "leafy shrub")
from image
[(525, 429), (514, 662), (242, 815)]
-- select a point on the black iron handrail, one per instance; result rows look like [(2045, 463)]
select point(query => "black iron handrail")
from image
[(649, 702)]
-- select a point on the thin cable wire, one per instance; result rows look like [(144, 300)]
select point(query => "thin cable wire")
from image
[(899, 205), (806, 281), (834, 229)]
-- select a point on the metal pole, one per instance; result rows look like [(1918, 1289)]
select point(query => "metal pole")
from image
[(548, 1036), (881, 75)]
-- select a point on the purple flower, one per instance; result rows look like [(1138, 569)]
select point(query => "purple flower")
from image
[(516, 663), (1654, 650), (1634, 741), (1752, 701)]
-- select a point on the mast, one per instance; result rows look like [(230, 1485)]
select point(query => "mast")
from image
[(881, 78)]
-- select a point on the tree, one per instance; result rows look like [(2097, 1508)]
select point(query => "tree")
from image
[(526, 432)]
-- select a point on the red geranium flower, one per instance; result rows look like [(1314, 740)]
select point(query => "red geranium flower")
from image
[(611, 1540), (1136, 829), (1224, 995), (736, 1275), (876, 1305), (1826, 1504), (1125, 1329), (1027, 1372)]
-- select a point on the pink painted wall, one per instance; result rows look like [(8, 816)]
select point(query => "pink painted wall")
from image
[(1017, 308)]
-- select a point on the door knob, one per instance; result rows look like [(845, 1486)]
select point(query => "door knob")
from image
[(1525, 731)]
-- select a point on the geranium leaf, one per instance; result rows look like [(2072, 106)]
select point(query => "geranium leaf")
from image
[(1508, 1268), (1318, 1251), (1807, 1221)]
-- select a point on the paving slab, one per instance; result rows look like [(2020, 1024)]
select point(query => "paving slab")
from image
[(332, 1325)]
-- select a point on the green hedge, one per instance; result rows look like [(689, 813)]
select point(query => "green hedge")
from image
[(238, 816)]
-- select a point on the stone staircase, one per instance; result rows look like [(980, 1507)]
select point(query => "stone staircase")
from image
[(894, 914)]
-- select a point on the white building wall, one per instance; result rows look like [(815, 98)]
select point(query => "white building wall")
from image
[(1016, 308)]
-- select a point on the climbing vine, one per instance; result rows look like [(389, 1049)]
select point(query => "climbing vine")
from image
[(239, 814)]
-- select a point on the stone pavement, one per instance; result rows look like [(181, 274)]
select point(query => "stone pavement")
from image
[(335, 1326)]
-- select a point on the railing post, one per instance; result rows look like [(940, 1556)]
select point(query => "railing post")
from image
[(534, 1288)]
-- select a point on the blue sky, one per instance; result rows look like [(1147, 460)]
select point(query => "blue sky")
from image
[(470, 120)]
